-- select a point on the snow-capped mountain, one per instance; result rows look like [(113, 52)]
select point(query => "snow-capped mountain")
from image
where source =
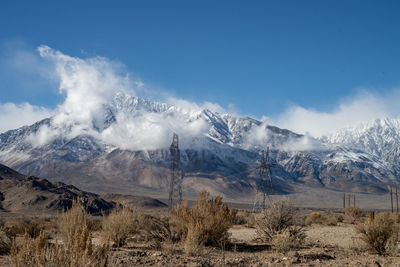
[(123, 147), (380, 137)]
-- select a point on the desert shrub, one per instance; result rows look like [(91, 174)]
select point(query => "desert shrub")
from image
[(206, 223), (381, 234), (120, 224), (158, 229), (251, 222), (94, 223), (242, 217), (353, 214), (77, 238), (39, 252), (292, 237), (330, 219), (73, 222), (318, 218), (396, 217), (278, 223), (75, 250), (21, 226), (277, 218), (5, 244), (314, 218)]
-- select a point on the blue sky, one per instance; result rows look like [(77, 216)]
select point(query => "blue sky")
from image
[(262, 57)]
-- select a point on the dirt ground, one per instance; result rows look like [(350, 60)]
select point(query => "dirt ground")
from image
[(325, 246)]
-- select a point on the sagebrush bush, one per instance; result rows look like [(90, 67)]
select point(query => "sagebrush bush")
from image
[(380, 234), (277, 218), (353, 214), (277, 225), (283, 241), (121, 223), (206, 223)]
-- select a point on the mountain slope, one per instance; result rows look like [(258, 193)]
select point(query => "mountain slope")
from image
[(20, 193), (124, 148)]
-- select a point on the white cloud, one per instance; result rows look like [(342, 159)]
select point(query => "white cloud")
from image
[(189, 106), (363, 107), (16, 115), (90, 86), (88, 83)]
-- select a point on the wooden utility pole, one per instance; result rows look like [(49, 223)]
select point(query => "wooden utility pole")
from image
[(344, 200), (391, 198), (348, 202), (397, 201), (354, 201)]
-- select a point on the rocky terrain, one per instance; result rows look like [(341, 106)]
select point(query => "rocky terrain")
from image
[(29, 194)]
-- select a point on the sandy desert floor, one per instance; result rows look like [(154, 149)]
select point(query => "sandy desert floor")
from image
[(325, 246)]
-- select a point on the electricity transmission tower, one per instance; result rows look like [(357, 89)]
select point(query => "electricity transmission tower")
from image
[(175, 186), (264, 182)]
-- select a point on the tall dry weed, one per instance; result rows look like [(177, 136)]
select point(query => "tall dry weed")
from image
[(39, 252), (120, 224), (76, 248)]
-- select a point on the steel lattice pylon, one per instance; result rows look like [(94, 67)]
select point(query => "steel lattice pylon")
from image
[(175, 185), (264, 182)]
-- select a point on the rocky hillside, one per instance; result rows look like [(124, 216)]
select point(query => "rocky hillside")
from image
[(20, 193)]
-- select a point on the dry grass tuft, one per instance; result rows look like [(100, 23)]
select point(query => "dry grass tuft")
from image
[(75, 250), (278, 226), (206, 223), (381, 234), (120, 224)]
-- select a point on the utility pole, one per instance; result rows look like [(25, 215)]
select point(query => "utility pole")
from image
[(397, 202), (354, 201), (264, 182), (391, 198), (175, 186), (344, 200), (348, 201)]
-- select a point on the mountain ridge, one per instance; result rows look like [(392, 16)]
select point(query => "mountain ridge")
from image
[(219, 152)]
